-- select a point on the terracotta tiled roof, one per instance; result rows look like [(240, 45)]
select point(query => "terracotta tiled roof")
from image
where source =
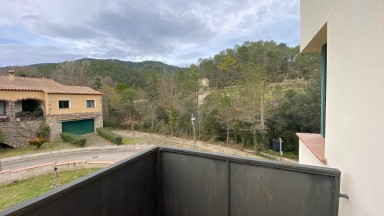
[(42, 84), (315, 143)]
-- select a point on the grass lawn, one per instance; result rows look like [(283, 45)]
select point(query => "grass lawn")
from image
[(46, 147), (129, 140), (20, 191), (289, 155)]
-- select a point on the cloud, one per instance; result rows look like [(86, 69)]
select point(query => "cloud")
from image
[(172, 31)]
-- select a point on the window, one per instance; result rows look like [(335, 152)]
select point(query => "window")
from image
[(2, 107), (63, 104), (323, 88), (90, 103)]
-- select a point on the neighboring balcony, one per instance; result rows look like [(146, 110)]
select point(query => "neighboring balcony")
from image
[(169, 181), (21, 110), (4, 118)]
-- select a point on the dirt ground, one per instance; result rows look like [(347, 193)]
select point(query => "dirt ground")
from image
[(141, 138)]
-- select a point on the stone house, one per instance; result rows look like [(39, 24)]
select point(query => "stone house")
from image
[(26, 103)]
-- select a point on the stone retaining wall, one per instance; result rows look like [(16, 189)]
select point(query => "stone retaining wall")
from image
[(17, 134)]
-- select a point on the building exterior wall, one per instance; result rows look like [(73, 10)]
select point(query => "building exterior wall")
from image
[(307, 157), (314, 15), (20, 95), (19, 135), (54, 121), (355, 96), (77, 104)]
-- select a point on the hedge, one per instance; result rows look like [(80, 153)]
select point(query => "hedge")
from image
[(74, 139), (107, 134)]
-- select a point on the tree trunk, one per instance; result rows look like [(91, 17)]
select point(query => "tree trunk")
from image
[(262, 124)]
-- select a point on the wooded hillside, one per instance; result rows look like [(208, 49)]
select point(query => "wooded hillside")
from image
[(258, 91)]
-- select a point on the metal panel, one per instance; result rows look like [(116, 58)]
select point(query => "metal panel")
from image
[(243, 186), (263, 190), (193, 185), (78, 127), (126, 188)]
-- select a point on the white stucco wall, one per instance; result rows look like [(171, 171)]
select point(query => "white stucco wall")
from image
[(307, 157), (355, 101), (314, 14)]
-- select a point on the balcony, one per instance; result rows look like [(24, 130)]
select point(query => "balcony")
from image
[(4, 118), (168, 181)]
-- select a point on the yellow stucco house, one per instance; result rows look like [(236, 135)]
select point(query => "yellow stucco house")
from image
[(26, 103)]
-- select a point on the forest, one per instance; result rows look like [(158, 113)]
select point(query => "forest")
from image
[(257, 92)]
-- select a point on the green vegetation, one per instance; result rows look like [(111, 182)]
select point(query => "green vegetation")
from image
[(1, 136), (258, 91), (128, 140), (109, 135), (87, 71), (38, 142), (44, 131), (47, 147), (74, 139), (23, 190)]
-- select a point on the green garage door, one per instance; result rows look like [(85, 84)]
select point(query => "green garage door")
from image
[(78, 127)]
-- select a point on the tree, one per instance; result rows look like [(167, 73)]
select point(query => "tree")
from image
[(97, 83), (153, 86), (227, 113), (73, 73), (131, 119), (296, 112)]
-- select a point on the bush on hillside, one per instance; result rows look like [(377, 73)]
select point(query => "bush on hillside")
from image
[(38, 142), (74, 139), (2, 137), (107, 134), (44, 131)]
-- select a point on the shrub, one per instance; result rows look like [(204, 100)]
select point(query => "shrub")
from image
[(74, 139), (107, 134), (2, 137), (37, 142), (44, 131)]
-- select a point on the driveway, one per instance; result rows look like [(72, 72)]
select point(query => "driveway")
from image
[(94, 140)]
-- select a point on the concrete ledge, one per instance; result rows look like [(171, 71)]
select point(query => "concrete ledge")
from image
[(9, 176)]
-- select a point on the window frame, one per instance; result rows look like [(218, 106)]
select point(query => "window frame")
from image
[(86, 103), (62, 100), (323, 88)]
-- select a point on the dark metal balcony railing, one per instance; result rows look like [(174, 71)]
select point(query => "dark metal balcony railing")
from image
[(168, 181)]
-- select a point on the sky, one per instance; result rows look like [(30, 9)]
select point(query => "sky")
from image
[(175, 32)]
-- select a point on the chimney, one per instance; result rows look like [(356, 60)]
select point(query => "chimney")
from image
[(11, 75)]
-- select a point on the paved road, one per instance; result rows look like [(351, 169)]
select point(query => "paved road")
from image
[(112, 155)]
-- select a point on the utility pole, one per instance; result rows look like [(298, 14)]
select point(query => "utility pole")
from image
[(281, 149)]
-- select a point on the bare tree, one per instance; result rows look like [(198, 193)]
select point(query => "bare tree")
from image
[(73, 73), (131, 120)]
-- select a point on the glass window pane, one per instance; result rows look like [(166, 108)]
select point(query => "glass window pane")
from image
[(2, 108), (63, 104), (90, 103)]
